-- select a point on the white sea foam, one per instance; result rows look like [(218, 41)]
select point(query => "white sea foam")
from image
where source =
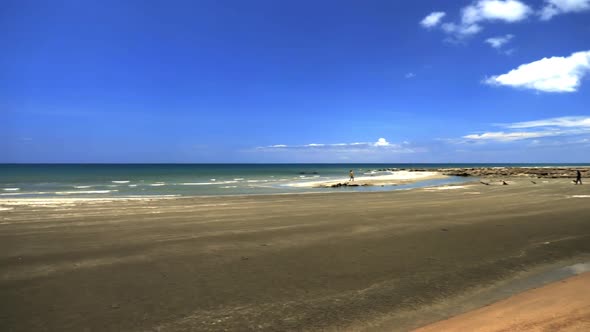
[(83, 192), (580, 196), (228, 187), (121, 181), (213, 179), (239, 179), (157, 184), (26, 193), (6, 208), (132, 185), (82, 187), (207, 183), (11, 189)]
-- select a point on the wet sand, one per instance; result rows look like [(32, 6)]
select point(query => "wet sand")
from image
[(340, 261)]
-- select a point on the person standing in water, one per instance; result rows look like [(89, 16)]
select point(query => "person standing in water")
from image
[(578, 177), (351, 173)]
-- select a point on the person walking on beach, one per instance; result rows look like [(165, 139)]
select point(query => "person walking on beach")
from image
[(578, 177), (351, 173)]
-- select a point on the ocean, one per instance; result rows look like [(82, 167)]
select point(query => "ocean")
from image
[(169, 180)]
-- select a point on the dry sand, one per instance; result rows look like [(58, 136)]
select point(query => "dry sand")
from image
[(383, 179), (342, 261), (561, 306)]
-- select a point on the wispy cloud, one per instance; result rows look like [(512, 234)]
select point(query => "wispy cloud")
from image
[(460, 31), (552, 127), (380, 144), (561, 122), (410, 75), (500, 41), (557, 7), (433, 19), (508, 137), (555, 74)]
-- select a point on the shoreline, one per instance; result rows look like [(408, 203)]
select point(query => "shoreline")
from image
[(372, 180), (386, 185), (466, 183)]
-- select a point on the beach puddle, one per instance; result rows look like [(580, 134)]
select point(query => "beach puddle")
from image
[(544, 278)]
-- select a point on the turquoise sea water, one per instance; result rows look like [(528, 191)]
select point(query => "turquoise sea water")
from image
[(107, 180)]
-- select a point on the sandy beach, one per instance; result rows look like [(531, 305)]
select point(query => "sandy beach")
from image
[(561, 306), (375, 261), (392, 178)]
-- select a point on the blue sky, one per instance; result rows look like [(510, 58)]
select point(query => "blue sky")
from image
[(295, 81)]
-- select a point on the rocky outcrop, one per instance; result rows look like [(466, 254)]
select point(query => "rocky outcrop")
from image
[(533, 172), (344, 184)]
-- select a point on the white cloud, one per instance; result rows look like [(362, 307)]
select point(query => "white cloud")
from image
[(555, 74), (481, 11), (495, 10), (382, 142), (556, 7), (410, 75), (498, 42), (433, 19)]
